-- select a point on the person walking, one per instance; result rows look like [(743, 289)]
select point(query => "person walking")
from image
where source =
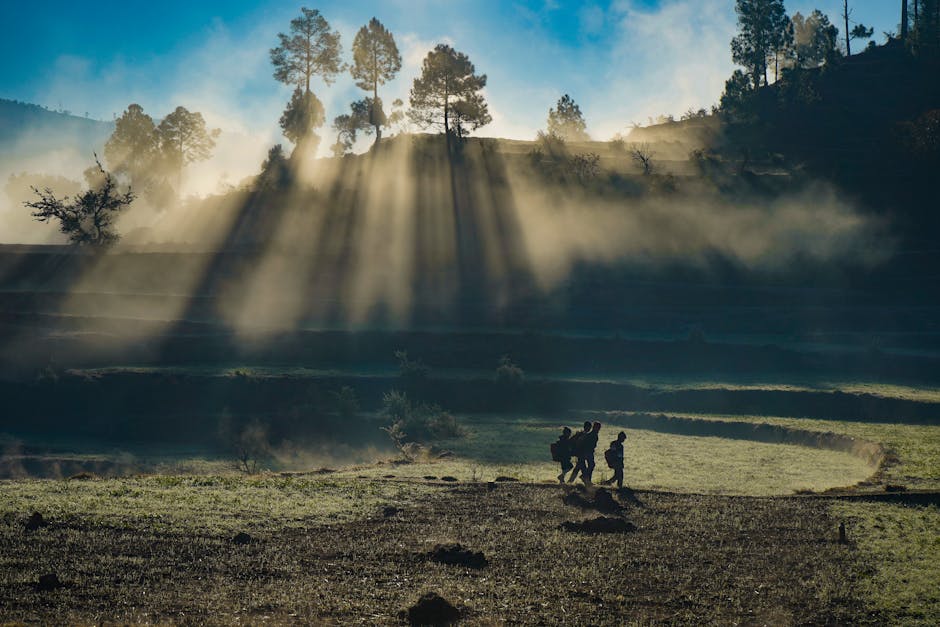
[(576, 445), (562, 452), (614, 458), (589, 445)]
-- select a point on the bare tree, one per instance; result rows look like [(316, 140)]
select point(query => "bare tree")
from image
[(251, 447), (88, 218), (643, 157)]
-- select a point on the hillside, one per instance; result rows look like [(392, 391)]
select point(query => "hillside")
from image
[(28, 130)]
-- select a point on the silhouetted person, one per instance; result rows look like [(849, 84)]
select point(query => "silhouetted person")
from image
[(587, 443), (576, 450), (614, 457), (562, 453)]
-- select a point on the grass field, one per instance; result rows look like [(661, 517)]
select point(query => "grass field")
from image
[(901, 548), (719, 538), (693, 559), (917, 447), (517, 447), (219, 504)]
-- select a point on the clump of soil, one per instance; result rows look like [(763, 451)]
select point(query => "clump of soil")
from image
[(574, 499), (242, 538), (455, 554), (48, 582), (433, 609), (602, 524), (36, 521), (602, 501)]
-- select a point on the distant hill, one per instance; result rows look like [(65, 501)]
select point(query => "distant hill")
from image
[(28, 130)]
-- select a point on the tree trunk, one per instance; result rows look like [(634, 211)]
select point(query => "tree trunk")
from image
[(179, 173), (904, 20), (447, 123), (375, 96), (848, 36), (447, 116), (375, 102)]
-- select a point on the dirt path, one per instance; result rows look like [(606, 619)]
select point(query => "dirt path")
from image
[(692, 560)]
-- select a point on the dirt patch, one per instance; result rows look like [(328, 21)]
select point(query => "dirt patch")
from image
[(601, 524), (601, 500), (48, 582), (242, 538), (455, 554), (432, 609), (36, 521), (604, 502)]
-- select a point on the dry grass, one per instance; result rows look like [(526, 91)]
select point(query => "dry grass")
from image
[(694, 559), (901, 547)]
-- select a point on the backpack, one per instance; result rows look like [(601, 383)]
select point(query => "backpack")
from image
[(556, 452), (611, 458)]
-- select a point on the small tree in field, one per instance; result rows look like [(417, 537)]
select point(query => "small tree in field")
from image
[(567, 121), (88, 218), (643, 157)]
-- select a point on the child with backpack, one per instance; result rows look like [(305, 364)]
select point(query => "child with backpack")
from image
[(614, 458), (562, 451)]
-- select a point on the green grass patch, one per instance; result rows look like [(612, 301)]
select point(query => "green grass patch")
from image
[(518, 447), (208, 503), (899, 549), (916, 446)]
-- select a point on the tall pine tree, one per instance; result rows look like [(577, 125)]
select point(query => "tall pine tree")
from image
[(764, 27), (375, 61)]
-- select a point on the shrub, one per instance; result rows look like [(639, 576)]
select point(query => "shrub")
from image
[(551, 144), (585, 166), (508, 373), (420, 422), (250, 447), (345, 403), (412, 371)]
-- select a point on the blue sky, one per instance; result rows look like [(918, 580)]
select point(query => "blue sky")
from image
[(622, 60)]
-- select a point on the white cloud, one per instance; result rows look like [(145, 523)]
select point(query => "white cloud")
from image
[(667, 59)]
